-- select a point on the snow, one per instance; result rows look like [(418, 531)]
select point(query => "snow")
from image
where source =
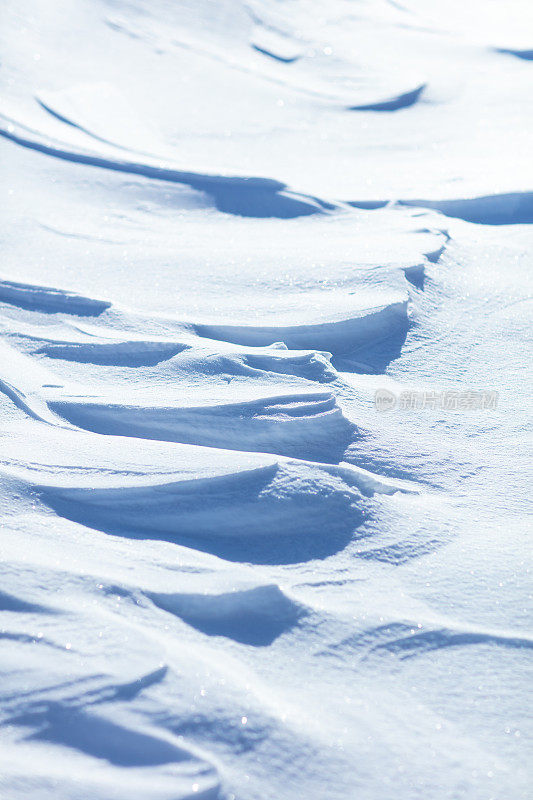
[(228, 574)]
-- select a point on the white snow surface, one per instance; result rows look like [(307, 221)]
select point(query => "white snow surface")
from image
[(226, 573)]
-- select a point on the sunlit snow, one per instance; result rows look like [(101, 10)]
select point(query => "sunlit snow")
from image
[(265, 443)]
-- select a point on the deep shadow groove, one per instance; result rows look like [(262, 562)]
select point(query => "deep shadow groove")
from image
[(271, 548), (119, 354), (416, 276), (9, 602), (526, 55), (98, 737), (394, 103), (254, 616), (283, 59), (513, 208), (374, 358), (368, 205)]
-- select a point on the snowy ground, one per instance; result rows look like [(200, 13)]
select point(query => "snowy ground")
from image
[(227, 573)]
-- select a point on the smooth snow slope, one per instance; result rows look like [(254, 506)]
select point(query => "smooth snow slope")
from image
[(226, 573)]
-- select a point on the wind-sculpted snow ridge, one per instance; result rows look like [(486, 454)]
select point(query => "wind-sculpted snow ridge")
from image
[(282, 501), (306, 426), (336, 337), (81, 731), (136, 353), (377, 332), (263, 356), (50, 301), (249, 362), (283, 48), (406, 644), (245, 196), (408, 640), (251, 506)]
